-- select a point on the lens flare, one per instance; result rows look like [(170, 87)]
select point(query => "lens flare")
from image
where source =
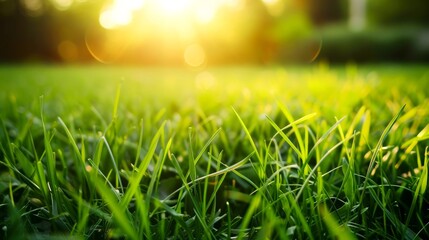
[(106, 46), (315, 50)]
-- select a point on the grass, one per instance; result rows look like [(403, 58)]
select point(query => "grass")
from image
[(244, 153)]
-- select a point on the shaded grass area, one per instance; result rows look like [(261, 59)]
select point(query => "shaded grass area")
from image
[(242, 152)]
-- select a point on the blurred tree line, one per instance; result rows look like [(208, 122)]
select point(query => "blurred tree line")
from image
[(283, 30)]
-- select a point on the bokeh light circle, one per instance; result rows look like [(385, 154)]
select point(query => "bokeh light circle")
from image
[(194, 55)]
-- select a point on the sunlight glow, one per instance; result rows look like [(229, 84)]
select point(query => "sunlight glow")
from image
[(119, 13), (115, 17), (169, 27), (122, 12), (172, 7), (205, 12)]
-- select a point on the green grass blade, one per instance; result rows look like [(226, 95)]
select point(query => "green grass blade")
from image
[(232, 168), (120, 217), (71, 140), (299, 214), (337, 231), (191, 161), (139, 146), (83, 214), (115, 167), (423, 181), (50, 166), (420, 189), (79, 159), (285, 137), (325, 136), (154, 181), (208, 143), (141, 171), (310, 175), (143, 216), (23, 162), (246, 130), (378, 148), (365, 131), (196, 203), (116, 103), (7, 147), (254, 205), (295, 129)]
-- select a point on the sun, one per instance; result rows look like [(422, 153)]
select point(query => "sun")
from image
[(121, 13), (171, 27)]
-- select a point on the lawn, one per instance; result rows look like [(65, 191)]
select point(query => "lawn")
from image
[(277, 152)]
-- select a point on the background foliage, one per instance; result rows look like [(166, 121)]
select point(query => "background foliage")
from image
[(258, 33)]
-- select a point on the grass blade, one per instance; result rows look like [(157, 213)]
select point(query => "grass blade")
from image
[(141, 171), (255, 149), (378, 148), (120, 216), (254, 204), (340, 232), (50, 166)]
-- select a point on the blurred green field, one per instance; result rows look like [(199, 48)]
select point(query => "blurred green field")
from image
[(335, 91), (299, 152)]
